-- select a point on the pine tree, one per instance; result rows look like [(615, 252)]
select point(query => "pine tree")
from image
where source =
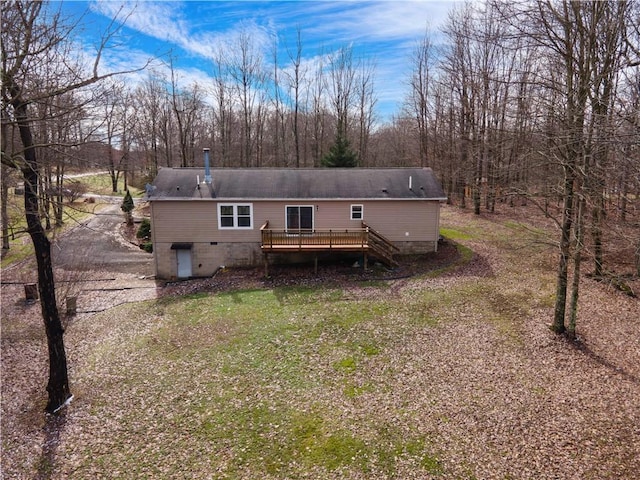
[(340, 154), (127, 207)]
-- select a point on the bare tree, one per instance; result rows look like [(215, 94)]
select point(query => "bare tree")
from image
[(581, 43), (111, 99), (319, 115), (423, 62), (295, 81), (366, 108), (149, 98), (245, 67), (279, 133), (29, 35), (341, 89), (458, 67), (223, 111), (186, 105)]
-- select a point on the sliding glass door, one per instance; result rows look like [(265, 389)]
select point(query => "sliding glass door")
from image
[(299, 218)]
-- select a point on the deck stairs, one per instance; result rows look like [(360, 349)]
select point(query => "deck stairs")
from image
[(381, 247)]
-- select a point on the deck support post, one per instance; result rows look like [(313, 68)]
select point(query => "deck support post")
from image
[(315, 264), (266, 265), (366, 260)]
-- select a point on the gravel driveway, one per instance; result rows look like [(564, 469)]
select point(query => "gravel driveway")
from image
[(98, 245), (93, 262)]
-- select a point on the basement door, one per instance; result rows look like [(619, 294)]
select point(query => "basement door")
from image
[(184, 262)]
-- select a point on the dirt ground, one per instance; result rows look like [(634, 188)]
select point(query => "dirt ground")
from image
[(609, 332)]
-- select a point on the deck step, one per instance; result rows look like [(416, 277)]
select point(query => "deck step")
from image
[(381, 247)]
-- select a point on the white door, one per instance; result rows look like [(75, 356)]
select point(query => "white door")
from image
[(184, 263)]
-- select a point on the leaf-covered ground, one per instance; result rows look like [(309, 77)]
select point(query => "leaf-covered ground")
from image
[(446, 374)]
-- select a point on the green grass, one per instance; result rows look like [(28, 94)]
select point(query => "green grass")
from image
[(252, 372), (291, 382), (524, 227), (265, 376), (101, 185), (466, 255), (454, 234)]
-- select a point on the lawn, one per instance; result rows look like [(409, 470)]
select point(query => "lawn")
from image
[(454, 376), (100, 184)]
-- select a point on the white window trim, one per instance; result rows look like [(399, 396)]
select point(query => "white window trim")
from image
[(313, 217), (361, 211), (235, 216)]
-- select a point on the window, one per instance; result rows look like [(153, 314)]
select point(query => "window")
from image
[(357, 212), (243, 216), (299, 217), (235, 215)]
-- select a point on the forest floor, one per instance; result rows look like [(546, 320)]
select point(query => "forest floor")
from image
[(443, 368)]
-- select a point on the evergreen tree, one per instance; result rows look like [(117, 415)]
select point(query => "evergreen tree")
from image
[(127, 207), (340, 154)]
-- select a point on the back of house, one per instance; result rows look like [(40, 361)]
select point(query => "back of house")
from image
[(201, 220)]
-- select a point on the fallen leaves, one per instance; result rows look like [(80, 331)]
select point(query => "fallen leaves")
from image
[(456, 376)]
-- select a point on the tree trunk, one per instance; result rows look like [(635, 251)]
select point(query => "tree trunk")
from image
[(58, 385), (58, 205), (113, 172), (3, 206), (565, 250), (577, 261), (596, 232)]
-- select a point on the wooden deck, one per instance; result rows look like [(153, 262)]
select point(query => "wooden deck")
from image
[(365, 240), (316, 240)]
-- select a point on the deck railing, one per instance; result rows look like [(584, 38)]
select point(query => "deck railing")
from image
[(325, 239)]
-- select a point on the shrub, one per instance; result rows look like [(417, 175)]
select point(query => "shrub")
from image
[(127, 207), (144, 230), (74, 191)]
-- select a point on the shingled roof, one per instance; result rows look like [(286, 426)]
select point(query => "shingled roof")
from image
[(297, 183)]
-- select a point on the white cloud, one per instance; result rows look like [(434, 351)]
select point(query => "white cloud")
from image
[(168, 22), (385, 31), (390, 20)]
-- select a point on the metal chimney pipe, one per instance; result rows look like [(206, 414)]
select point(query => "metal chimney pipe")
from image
[(207, 167)]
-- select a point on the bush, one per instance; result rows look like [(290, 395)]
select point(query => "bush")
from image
[(127, 203), (144, 230), (74, 191), (147, 247), (127, 207)]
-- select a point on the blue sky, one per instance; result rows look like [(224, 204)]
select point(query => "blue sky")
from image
[(383, 32)]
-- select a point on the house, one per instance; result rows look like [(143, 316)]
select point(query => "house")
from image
[(201, 221)]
